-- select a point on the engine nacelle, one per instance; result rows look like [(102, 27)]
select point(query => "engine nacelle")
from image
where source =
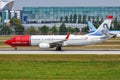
[(44, 45), (118, 35)]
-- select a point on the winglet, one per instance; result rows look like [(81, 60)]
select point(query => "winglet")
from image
[(67, 37)]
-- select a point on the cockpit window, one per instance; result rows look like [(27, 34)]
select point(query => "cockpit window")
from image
[(10, 38)]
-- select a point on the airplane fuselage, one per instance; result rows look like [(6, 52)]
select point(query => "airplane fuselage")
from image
[(51, 41), (35, 40)]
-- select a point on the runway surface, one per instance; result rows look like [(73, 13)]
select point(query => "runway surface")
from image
[(99, 52)]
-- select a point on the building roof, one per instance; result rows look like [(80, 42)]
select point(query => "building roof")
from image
[(6, 5)]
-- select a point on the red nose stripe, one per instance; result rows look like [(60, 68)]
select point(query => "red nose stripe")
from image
[(23, 40), (26, 40)]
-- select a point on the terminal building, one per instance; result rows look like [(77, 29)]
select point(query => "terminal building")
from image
[(71, 16), (37, 15)]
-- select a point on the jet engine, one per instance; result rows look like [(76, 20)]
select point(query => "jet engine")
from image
[(44, 45)]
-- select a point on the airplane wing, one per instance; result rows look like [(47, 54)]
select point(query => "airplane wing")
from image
[(60, 42)]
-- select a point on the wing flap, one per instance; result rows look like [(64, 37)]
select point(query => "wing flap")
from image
[(60, 42)]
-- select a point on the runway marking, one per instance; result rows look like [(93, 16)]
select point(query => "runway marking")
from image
[(59, 52)]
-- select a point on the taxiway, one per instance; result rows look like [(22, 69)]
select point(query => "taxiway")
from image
[(63, 52)]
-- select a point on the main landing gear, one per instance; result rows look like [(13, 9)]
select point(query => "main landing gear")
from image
[(15, 48), (58, 48), (114, 36)]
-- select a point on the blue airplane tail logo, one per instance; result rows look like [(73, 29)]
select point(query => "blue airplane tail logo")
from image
[(91, 27)]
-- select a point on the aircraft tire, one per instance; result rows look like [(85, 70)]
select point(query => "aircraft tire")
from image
[(58, 48), (15, 49)]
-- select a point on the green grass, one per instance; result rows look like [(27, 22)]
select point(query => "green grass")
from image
[(4, 37), (60, 70), (62, 67)]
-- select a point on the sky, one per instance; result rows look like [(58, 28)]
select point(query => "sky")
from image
[(62, 3)]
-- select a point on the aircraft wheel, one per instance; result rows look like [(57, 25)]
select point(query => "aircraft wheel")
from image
[(58, 48), (15, 49), (114, 36)]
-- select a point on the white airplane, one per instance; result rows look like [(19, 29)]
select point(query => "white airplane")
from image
[(115, 33), (58, 41)]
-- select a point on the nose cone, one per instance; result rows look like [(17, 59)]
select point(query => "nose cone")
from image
[(8, 42)]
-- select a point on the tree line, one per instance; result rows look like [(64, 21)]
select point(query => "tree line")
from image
[(17, 28), (44, 30)]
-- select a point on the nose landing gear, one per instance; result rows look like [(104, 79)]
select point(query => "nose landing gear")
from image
[(15, 48)]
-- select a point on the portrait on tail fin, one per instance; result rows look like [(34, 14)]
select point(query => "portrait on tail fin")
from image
[(105, 29)]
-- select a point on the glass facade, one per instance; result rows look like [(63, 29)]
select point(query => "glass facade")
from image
[(54, 14)]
